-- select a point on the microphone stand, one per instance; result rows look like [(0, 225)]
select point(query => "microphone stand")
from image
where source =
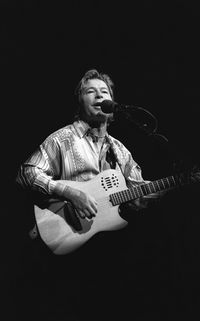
[(149, 125)]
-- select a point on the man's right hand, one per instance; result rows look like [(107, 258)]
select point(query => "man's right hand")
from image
[(84, 204)]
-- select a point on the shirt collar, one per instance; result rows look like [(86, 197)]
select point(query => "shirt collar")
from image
[(82, 128)]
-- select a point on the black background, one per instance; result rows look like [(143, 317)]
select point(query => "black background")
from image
[(151, 51)]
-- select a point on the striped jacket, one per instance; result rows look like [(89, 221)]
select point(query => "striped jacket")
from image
[(71, 154)]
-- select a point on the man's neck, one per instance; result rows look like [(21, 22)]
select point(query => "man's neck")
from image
[(99, 129)]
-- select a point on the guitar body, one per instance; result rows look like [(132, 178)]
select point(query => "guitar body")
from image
[(64, 231)]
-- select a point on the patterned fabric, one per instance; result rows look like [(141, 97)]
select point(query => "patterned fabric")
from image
[(71, 153)]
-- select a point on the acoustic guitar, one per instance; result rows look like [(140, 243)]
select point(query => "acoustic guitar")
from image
[(64, 231)]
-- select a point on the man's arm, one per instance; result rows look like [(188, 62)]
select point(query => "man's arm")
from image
[(41, 173)]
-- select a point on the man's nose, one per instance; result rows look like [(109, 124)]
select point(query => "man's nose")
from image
[(99, 94)]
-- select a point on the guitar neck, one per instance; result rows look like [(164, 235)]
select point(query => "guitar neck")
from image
[(141, 190)]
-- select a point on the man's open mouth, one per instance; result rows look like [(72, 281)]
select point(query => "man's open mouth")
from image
[(97, 105)]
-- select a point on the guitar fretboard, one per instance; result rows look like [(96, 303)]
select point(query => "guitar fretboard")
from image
[(144, 189)]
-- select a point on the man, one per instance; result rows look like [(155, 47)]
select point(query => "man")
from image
[(79, 152)]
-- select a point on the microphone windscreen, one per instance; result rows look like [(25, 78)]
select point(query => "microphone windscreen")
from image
[(108, 106)]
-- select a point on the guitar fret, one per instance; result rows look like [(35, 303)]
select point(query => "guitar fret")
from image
[(158, 186), (173, 180), (152, 186), (137, 192), (132, 194), (163, 183), (148, 188), (129, 194), (166, 180), (126, 195), (121, 197), (160, 183), (118, 198), (114, 199), (140, 190)]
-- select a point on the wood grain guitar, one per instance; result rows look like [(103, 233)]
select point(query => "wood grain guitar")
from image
[(64, 231)]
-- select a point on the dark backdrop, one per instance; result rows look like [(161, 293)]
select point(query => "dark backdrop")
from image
[(151, 50)]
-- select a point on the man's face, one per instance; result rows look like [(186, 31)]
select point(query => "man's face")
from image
[(94, 92)]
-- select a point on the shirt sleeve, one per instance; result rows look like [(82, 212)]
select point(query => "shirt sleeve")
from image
[(133, 175), (132, 171), (129, 167), (40, 171)]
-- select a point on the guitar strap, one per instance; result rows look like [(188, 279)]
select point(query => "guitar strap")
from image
[(111, 158)]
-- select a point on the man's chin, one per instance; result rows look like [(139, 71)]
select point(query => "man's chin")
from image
[(98, 118), (102, 117)]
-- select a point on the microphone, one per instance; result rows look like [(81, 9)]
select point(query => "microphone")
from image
[(144, 119), (109, 106)]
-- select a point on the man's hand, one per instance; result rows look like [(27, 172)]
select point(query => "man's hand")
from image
[(84, 204)]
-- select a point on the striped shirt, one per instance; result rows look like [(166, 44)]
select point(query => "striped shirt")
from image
[(70, 153)]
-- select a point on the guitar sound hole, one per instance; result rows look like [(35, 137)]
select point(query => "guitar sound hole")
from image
[(109, 182)]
